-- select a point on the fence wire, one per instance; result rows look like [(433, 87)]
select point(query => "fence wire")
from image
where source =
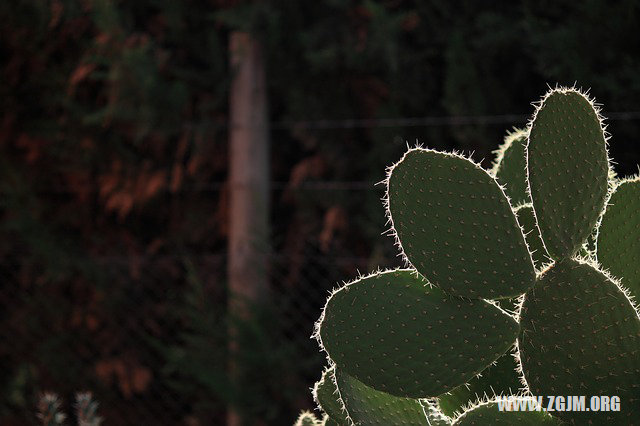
[(147, 334)]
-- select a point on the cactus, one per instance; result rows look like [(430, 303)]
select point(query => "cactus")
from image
[(527, 219), (307, 418), (618, 239), (567, 170), (508, 293), (435, 416), (581, 336), (487, 413), (368, 406), (325, 394), (499, 379), (510, 167), (364, 405), (395, 333), (456, 226)]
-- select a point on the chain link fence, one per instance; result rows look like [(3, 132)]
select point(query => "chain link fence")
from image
[(147, 333)]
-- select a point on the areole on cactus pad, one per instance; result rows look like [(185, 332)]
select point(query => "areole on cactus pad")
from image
[(544, 247)]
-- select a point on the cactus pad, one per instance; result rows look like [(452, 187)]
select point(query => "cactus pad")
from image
[(510, 168), (495, 380), (618, 243), (307, 418), (581, 336), (435, 417), (456, 226), (397, 334), (328, 421), (567, 170), (367, 406), (527, 221), (326, 395), (487, 413)]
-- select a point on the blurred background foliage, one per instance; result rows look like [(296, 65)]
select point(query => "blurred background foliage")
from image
[(113, 162)]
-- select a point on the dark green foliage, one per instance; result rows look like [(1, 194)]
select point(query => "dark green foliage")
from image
[(395, 333), (510, 167), (487, 414), (567, 170), (618, 241), (456, 226), (581, 336), (367, 406), (498, 379), (196, 364)]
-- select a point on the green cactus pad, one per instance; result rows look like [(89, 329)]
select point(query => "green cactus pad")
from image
[(325, 393), (367, 406), (307, 418), (456, 226), (397, 334), (527, 220), (510, 168), (588, 248), (328, 421), (488, 413), (435, 417), (567, 169), (618, 241), (581, 336), (495, 380)]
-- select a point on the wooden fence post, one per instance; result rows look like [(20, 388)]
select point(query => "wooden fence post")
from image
[(248, 243)]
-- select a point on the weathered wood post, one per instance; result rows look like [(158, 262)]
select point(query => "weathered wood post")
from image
[(248, 243)]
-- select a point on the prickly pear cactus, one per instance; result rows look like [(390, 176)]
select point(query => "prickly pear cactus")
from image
[(510, 167), (456, 227), (581, 336), (567, 170), (618, 240), (519, 284), (307, 418), (394, 332)]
